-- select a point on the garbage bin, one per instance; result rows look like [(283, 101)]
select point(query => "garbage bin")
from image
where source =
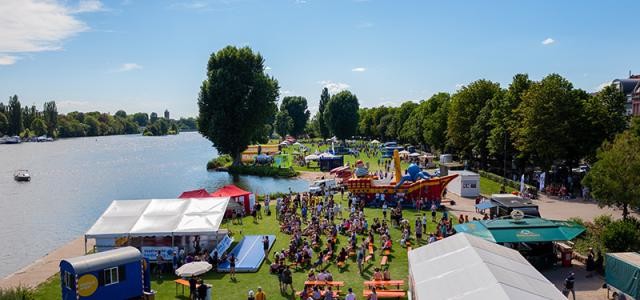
[(566, 254)]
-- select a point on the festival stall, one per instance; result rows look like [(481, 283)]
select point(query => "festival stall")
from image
[(238, 195), (201, 193), (467, 184), (328, 162), (463, 266), (160, 225)]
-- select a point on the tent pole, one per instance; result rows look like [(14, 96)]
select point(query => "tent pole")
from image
[(85, 244)]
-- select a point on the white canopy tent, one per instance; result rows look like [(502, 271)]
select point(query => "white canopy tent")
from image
[(467, 267), (160, 217), (311, 157)]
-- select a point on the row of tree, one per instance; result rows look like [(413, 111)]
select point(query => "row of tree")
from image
[(530, 123), (28, 121)]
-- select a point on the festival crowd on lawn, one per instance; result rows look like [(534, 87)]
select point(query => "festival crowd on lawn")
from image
[(314, 223)]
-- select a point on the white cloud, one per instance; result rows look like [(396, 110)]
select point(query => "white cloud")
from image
[(334, 87), (70, 105), (190, 5), (388, 103), (128, 67), (286, 92), (6, 60), (301, 1), (548, 41), (88, 6), (267, 68), (39, 25), (364, 25), (358, 69), (603, 85), (459, 86)]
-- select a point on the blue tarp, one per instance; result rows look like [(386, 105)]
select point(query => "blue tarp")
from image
[(485, 205), (249, 254)]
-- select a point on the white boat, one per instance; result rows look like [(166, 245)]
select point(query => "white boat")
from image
[(22, 175)]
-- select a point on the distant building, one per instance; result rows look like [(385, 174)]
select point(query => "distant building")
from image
[(166, 114), (630, 88)]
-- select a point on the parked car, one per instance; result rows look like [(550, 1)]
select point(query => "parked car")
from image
[(318, 186)]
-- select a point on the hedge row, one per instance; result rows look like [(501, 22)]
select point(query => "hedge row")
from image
[(262, 171)]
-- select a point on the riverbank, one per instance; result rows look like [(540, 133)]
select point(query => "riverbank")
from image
[(43, 268)]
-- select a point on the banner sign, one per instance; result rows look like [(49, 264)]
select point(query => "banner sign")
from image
[(151, 252), (223, 245)]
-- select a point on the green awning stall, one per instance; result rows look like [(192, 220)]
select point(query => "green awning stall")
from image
[(527, 230), (622, 272)]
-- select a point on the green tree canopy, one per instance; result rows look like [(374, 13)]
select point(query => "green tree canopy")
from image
[(50, 113), (121, 114), (613, 179), (434, 126), (341, 114), (4, 124), (15, 116), (237, 101), (296, 108), (284, 123), (93, 125), (38, 127), (153, 117), (322, 123), (604, 117), (466, 105), (141, 118)]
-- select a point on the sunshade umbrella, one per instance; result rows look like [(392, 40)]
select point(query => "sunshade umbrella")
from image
[(405, 152), (414, 154), (375, 142), (193, 269), (312, 157)]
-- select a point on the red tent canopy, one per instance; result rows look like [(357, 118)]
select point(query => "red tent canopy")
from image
[(238, 194), (201, 193)]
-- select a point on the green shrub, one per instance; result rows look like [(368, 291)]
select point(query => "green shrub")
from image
[(602, 221), (219, 162), (19, 293), (621, 236)]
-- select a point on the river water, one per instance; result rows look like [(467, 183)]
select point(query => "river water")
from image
[(74, 180)]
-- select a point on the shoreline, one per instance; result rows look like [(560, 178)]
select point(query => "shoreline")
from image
[(40, 270)]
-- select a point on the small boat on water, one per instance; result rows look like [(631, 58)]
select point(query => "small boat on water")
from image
[(12, 140), (22, 175)]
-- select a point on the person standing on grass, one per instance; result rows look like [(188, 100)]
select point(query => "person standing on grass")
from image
[(374, 294), (193, 291), (424, 222), (418, 231), (202, 290), (433, 212), (287, 279), (232, 266), (360, 258), (265, 246)]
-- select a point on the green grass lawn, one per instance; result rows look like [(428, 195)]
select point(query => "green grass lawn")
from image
[(488, 187), (224, 288)]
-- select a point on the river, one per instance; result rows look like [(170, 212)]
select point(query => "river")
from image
[(74, 180)]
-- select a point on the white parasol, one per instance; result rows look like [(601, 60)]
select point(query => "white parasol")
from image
[(193, 269)]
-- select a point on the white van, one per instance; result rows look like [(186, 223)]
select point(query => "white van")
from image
[(316, 186)]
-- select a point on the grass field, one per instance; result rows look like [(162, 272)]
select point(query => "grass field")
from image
[(224, 288), (488, 187)]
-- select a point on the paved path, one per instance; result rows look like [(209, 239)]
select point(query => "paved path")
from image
[(550, 208), (42, 269)]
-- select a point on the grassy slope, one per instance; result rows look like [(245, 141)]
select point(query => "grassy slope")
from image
[(224, 288), (488, 187)]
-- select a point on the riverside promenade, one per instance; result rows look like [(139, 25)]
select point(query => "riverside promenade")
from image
[(45, 267)]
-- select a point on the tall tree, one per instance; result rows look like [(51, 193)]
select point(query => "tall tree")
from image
[(604, 117), (237, 101), (284, 123), (400, 115), (15, 116), (503, 124), (466, 105), (341, 114), (4, 124), (613, 179), (141, 118), (121, 114), (50, 114), (38, 126), (548, 118), (153, 117), (434, 126), (296, 108), (322, 123)]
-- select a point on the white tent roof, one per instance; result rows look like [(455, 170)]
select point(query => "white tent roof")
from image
[(312, 157), (160, 217), (467, 267)]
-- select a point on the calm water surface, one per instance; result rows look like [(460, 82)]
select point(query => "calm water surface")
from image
[(74, 180)]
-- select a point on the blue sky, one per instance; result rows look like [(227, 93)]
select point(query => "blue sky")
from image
[(144, 55)]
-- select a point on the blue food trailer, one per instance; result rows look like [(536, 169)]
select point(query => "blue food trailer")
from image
[(115, 274)]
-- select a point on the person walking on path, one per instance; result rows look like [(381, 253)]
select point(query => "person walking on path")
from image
[(569, 285)]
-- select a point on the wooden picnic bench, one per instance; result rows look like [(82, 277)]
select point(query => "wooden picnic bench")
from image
[(336, 294), (385, 294), (380, 283), (384, 260), (337, 284), (183, 283)]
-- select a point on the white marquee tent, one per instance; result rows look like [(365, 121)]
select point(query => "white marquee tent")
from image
[(467, 267), (160, 217)]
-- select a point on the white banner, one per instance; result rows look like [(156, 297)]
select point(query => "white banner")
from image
[(252, 201), (541, 180), (223, 245), (151, 252)]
